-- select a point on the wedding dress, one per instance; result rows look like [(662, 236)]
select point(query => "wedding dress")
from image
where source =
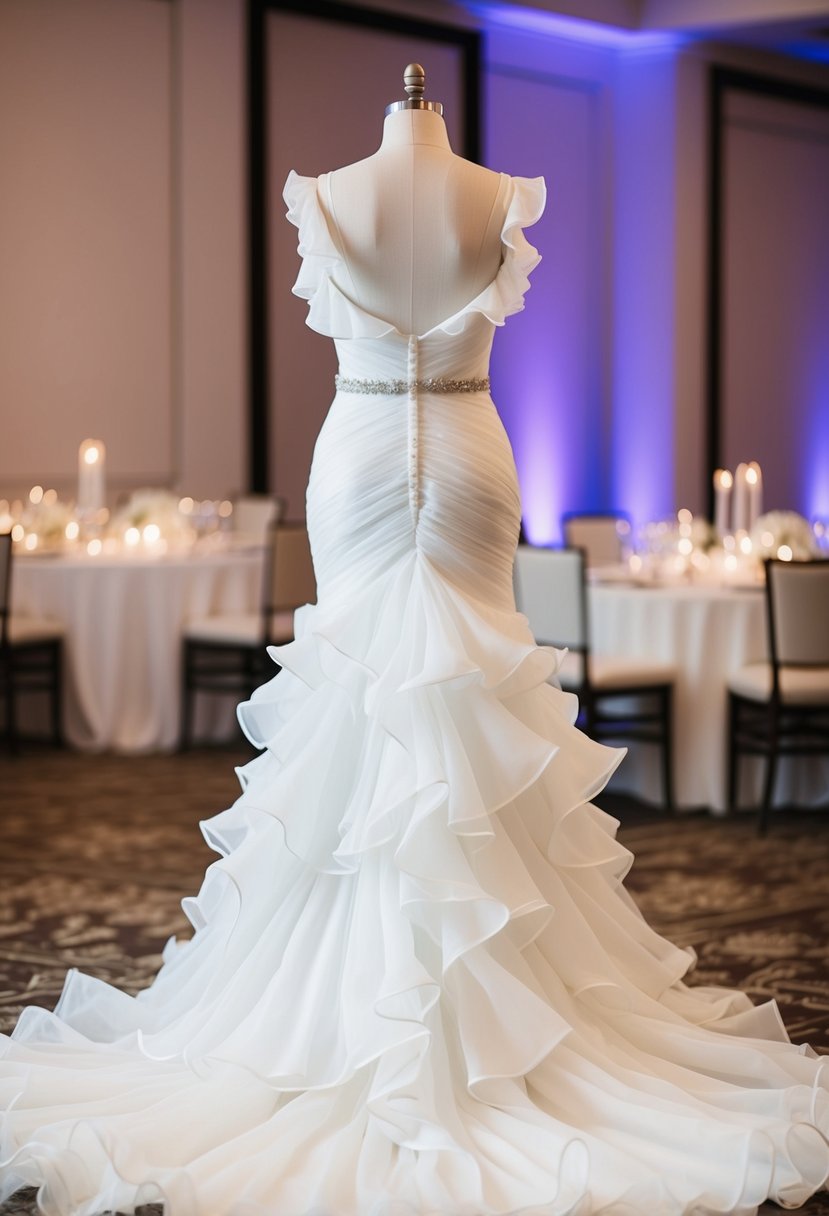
[(417, 986)]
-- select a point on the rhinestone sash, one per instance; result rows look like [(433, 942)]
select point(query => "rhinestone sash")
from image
[(433, 384)]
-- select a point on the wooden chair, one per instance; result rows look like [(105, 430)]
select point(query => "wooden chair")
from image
[(780, 707), (31, 656), (602, 535), (227, 654), (621, 698)]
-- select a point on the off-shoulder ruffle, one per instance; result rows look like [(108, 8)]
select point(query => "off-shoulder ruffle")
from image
[(332, 311)]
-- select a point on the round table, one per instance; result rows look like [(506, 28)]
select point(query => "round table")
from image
[(706, 632), (124, 616)]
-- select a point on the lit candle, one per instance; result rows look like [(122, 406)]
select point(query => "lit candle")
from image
[(739, 518), (754, 482), (91, 479), (723, 481)]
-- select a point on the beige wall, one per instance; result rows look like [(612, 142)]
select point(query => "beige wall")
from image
[(122, 295), (86, 237)]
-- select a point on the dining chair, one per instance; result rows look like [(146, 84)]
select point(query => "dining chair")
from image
[(226, 654), (780, 707), (621, 698), (254, 514), (31, 656), (603, 536)]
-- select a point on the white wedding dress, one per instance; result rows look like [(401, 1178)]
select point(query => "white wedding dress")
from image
[(416, 985)]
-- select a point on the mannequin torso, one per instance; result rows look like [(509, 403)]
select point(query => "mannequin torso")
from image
[(418, 227)]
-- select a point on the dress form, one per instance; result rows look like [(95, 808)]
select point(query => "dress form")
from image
[(418, 227)]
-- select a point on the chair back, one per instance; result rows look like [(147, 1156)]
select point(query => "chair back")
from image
[(602, 536), (289, 570), (797, 595), (254, 514), (550, 591), (5, 583)]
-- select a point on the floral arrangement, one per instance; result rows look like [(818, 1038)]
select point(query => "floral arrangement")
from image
[(156, 509), (46, 522), (778, 529)]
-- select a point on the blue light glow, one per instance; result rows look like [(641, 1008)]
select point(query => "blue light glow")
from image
[(592, 33), (816, 456), (816, 52)]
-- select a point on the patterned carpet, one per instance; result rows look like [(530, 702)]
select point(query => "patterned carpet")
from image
[(97, 853)]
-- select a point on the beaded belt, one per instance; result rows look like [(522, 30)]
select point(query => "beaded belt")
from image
[(436, 384)]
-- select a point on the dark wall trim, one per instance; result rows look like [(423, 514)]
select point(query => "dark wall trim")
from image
[(470, 44), (722, 80), (258, 423)]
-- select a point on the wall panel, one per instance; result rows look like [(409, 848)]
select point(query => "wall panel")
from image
[(547, 363), (775, 301), (86, 239)]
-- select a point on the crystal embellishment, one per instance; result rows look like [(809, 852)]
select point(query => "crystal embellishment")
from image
[(433, 384)]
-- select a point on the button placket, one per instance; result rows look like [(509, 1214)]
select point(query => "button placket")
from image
[(413, 430)]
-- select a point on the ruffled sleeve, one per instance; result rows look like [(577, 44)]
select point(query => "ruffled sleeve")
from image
[(316, 248), (330, 310), (505, 294)]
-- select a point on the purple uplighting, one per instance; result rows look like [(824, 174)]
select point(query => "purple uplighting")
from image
[(601, 382)]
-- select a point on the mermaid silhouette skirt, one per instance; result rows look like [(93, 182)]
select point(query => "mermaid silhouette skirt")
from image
[(416, 984)]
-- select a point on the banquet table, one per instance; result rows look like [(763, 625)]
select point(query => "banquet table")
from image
[(706, 632), (123, 615)]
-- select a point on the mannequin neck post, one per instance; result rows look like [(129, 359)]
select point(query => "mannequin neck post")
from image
[(402, 128)]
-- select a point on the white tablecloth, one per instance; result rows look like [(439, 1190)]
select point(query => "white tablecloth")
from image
[(707, 633), (124, 619)]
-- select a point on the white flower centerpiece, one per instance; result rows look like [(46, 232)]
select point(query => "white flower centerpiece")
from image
[(44, 524), (152, 522), (784, 534)]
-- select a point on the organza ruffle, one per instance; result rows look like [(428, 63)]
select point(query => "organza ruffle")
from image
[(416, 984)]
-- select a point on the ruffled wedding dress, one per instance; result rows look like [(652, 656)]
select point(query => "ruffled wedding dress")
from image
[(416, 984)]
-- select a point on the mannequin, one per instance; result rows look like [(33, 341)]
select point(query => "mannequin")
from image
[(418, 227)]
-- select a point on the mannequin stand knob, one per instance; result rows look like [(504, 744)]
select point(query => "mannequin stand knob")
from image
[(414, 79)]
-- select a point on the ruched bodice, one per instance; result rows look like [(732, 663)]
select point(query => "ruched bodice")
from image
[(416, 985)]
